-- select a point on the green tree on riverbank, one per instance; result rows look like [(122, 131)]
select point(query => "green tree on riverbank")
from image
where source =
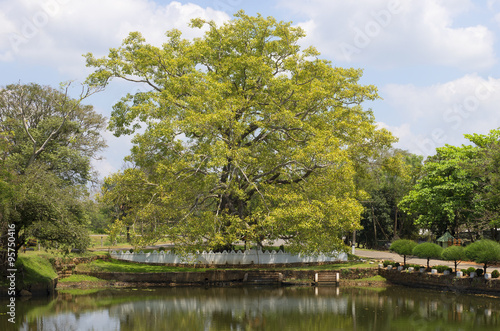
[(47, 140), (459, 188), (247, 137)]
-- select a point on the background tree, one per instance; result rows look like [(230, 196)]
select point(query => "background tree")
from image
[(458, 188), (453, 253), (403, 247), (387, 180), (444, 196), (483, 251), (486, 169), (247, 136), (49, 140), (428, 251)]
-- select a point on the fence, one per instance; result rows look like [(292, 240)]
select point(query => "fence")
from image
[(211, 258)]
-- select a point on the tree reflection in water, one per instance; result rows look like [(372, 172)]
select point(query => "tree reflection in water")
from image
[(283, 309)]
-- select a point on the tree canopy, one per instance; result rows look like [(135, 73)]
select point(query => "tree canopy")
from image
[(387, 179), (483, 251), (458, 190), (428, 251), (245, 137), (453, 253), (403, 247), (47, 140)]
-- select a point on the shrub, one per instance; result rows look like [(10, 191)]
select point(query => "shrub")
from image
[(161, 249), (465, 271), (396, 264), (387, 262), (441, 268), (495, 274), (414, 266), (470, 269), (479, 272)]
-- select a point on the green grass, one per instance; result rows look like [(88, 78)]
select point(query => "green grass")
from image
[(33, 269), (77, 291), (122, 266), (57, 254), (336, 266), (371, 279), (80, 278)]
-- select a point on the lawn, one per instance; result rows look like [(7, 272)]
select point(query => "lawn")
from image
[(81, 278), (122, 266), (33, 269)]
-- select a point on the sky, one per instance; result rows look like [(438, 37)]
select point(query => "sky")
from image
[(434, 62)]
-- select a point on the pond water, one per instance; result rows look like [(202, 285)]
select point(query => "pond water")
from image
[(283, 309)]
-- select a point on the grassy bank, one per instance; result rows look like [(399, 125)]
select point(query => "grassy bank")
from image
[(32, 269), (123, 266)]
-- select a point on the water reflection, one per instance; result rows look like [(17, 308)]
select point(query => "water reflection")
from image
[(393, 308)]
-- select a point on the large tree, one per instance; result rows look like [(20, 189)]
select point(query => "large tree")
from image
[(47, 141), (247, 137), (459, 188), (486, 168), (444, 196)]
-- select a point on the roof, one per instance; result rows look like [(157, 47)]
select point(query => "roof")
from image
[(445, 237)]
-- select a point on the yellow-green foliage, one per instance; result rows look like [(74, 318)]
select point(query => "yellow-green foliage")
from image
[(247, 137)]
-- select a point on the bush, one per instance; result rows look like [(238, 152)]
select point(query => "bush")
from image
[(465, 271), (470, 269), (495, 274), (161, 249), (479, 272), (387, 262), (396, 264), (414, 266), (441, 268)]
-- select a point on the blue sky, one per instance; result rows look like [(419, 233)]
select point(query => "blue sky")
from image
[(435, 62)]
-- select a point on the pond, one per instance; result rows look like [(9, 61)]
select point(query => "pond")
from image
[(283, 309)]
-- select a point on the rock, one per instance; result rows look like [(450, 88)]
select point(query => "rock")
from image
[(25, 293)]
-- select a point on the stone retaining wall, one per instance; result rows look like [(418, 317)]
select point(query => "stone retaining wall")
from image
[(223, 277), (441, 282), (65, 266)]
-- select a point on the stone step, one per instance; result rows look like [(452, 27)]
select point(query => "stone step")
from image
[(324, 278)]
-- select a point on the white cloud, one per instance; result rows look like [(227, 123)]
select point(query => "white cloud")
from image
[(58, 32), (388, 33), (442, 113)]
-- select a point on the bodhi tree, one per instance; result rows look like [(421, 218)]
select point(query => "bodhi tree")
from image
[(247, 137)]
